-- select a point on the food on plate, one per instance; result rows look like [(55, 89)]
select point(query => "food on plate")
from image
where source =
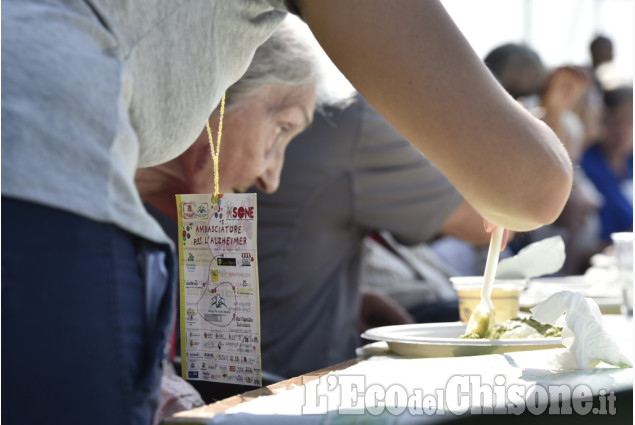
[(519, 328)]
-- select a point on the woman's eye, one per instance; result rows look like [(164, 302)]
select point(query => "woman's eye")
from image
[(282, 129)]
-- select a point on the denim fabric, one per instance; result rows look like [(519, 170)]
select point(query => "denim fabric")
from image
[(85, 314)]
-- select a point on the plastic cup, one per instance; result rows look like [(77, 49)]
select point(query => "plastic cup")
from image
[(623, 244), (505, 295)]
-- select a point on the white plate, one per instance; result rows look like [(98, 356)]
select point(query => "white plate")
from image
[(442, 340)]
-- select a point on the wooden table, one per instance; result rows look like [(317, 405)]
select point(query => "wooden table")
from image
[(203, 414)]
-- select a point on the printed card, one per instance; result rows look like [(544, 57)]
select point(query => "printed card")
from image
[(219, 314)]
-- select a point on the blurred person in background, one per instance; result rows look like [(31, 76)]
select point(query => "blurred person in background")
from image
[(603, 71), (601, 49), (609, 163)]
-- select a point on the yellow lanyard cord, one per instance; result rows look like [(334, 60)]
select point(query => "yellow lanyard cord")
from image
[(215, 152)]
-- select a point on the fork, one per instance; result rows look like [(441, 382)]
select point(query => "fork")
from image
[(481, 322)]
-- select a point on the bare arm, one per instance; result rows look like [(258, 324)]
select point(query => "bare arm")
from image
[(409, 60), (466, 224)]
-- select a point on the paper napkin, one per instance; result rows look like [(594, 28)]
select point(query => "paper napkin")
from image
[(587, 342)]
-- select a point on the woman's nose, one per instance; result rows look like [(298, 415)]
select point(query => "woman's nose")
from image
[(269, 181)]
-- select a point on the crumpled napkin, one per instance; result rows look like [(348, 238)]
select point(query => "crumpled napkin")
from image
[(537, 259), (583, 334)]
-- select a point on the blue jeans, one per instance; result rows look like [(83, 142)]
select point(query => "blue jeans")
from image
[(85, 315)]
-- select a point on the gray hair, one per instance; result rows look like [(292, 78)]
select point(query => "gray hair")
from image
[(288, 58)]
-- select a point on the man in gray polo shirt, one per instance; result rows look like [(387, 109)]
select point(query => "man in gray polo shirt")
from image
[(348, 174)]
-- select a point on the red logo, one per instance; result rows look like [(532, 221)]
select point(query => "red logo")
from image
[(243, 212)]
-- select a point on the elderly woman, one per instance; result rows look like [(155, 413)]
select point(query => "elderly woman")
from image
[(265, 109)]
